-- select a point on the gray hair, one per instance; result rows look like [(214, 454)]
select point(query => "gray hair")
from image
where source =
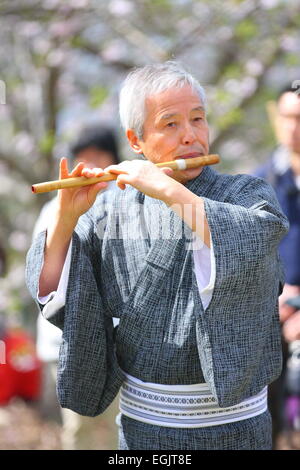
[(149, 80)]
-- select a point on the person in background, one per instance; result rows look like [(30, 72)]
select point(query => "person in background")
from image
[(97, 147), (282, 171)]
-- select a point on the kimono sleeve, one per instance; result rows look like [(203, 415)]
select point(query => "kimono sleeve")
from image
[(34, 263), (88, 377), (238, 336)]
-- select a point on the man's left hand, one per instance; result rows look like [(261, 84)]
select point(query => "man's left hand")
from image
[(144, 176)]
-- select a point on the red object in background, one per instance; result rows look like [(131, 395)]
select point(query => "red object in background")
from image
[(20, 376)]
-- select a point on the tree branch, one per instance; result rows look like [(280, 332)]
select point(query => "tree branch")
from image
[(13, 166)]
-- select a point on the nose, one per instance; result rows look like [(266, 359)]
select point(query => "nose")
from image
[(188, 134)]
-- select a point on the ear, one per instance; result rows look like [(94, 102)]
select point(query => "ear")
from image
[(133, 140)]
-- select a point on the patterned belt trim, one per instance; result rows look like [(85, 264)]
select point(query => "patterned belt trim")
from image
[(183, 406)]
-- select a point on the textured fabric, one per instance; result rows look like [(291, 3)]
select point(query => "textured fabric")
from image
[(251, 434), (205, 272), (60, 294), (49, 337), (148, 281), (183, 406)]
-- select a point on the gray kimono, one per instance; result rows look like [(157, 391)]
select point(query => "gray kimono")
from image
[(148, 281)]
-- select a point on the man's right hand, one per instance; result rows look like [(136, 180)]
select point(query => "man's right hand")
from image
[(71, 204)]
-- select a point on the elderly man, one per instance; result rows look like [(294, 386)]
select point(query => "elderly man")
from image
[(188, 261)]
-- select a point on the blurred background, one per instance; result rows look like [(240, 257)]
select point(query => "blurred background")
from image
[(61, 65)]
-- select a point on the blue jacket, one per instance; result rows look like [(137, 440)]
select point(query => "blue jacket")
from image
[(288, 196)]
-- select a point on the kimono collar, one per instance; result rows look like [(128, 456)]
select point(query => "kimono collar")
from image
[(165, 252), (203, 184)]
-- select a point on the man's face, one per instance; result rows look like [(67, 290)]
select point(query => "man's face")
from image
[(175, 127), (94, 158), (288, 121)]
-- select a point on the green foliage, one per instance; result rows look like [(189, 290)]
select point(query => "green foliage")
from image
[(233, 71), (77, 41), (222, 96), (164, 5), (231, 118), (47, 142), (292, 59), (97, 96), (246, 30)]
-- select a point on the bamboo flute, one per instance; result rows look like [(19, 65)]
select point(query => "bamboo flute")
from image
[(179, 164)]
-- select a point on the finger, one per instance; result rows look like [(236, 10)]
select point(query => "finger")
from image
[(94, 189), (99, 172), (167, 171), (121, 185), (92, 172), (87, 173), (77, 171), (63, 168), (115, 171), (110, 166), (123, 179), (119, 165)]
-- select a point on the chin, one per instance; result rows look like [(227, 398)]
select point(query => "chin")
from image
[(187, 175)]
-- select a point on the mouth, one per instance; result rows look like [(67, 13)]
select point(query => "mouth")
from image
[(190, 155)]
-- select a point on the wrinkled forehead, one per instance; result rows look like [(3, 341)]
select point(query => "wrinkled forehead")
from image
[(173, 99)]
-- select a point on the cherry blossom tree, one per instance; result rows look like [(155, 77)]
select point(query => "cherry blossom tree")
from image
[(61, 65)]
